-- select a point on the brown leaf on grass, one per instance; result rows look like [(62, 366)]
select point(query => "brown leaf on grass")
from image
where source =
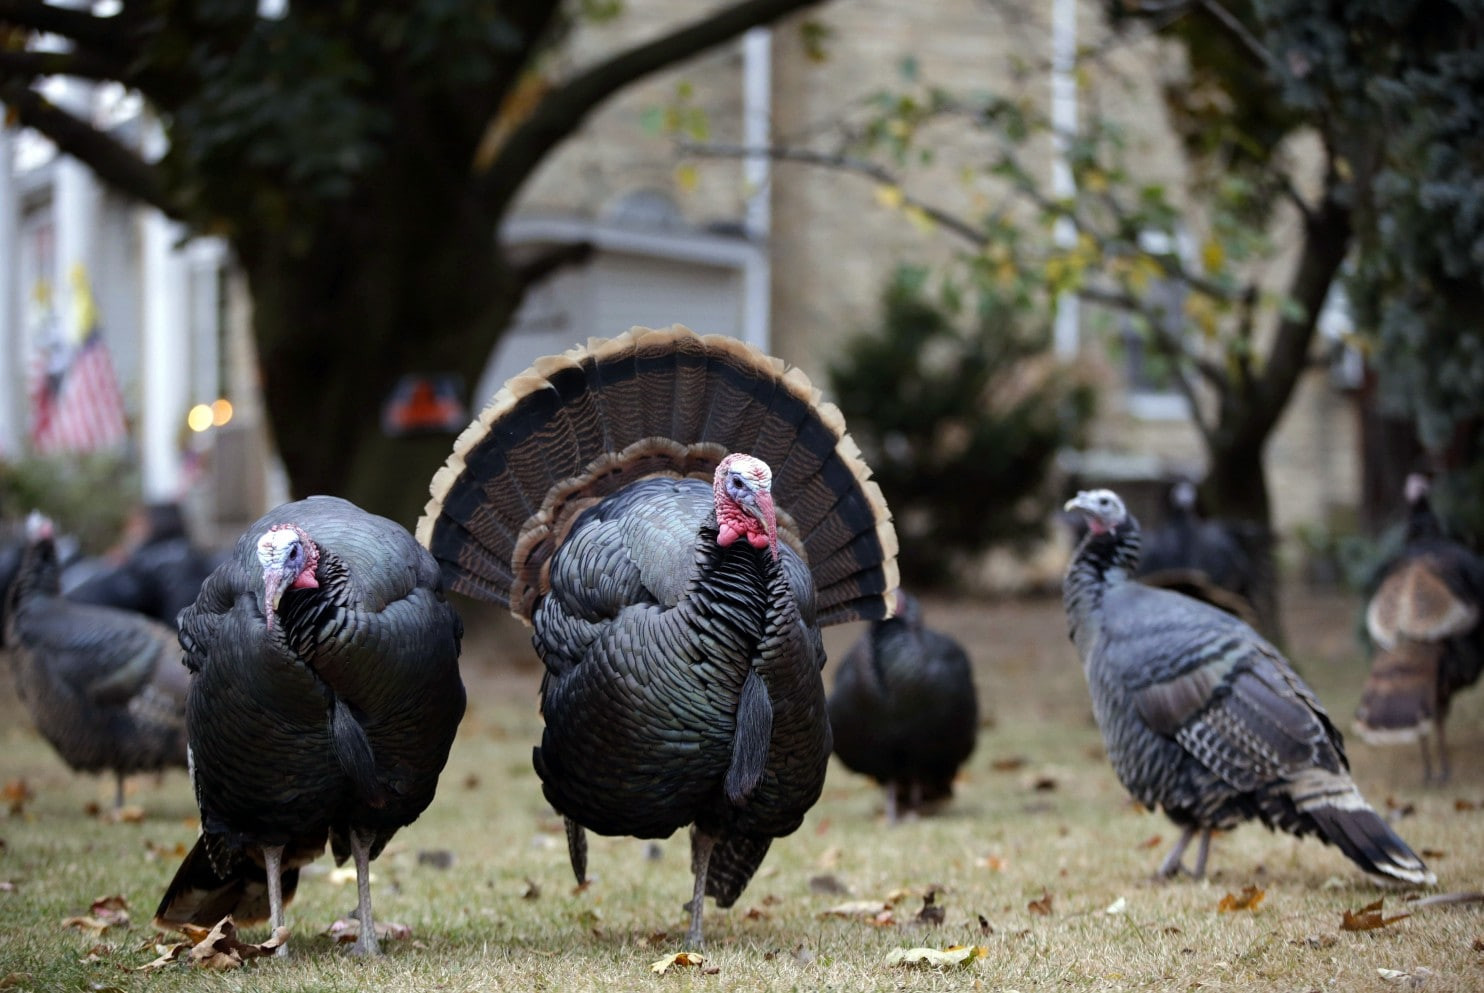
[(994, 863), (166, 853), (984, 926), (931, 914), (1044, 784), (1250, 898), (16, 794), (1041, 907), (92, 924), (1153, 841), (96, 954), (886, 918), (1433, 853), (757, 914), (1368, 918), (1479, 944), (532, 890), (92, 809), (1314, 941), (11, 980), (114, 909), (437, 858), (1413, 980), (1396, 810), (348, 929), (827, 883), (129, 814), (857, 908), (679, 959), (1008, 764), (471, 781), (213, 948)]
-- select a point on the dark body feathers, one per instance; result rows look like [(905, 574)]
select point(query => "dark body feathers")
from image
[(105, 687), (1426, 637), (1204, 718), (904, 710), (334, 724), (682, 680)]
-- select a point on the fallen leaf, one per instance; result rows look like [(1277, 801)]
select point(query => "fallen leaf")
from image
[(682, 959), (827, 883), (1116, 907), (114, 909), (1040, 907), (1479, 944), (884, 919), (344, 874), (7, 886), (1461, 805), (757, 914), (1368, 918), (1433, 853), (437, 858), (830, 857), (1414, 980), (471, 781), (930, 914), (822, 827), (804, 955), (1250, 898), (348, 929), (11, 980), (128, 814), (994, 863), (984, 925), (1008, 764), (856, 908), (92, 809), (167, 853), (1044, 784), (1315, 940), (711, 970), (92, 924), (217, 948), (532, 890), (1152, 841), (16, 794), (938, 958)]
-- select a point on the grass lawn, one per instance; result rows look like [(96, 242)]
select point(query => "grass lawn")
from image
[(1041, 860)]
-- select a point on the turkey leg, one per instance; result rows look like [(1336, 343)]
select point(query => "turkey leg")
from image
[(1171, 865), (701, 845), (360, 849), (273, 863)]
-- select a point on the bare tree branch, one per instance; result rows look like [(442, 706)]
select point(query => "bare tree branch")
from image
[(115, 163), (1244, 37), (564, 109), (26, 64), (106, 35), (533, 271)]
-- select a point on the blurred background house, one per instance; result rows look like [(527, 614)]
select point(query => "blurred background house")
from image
[(786, 255)]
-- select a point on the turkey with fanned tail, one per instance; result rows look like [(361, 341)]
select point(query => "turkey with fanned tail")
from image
[(1203, 718), (621, 499), (104, 686), (1426, 636), (324, 698)]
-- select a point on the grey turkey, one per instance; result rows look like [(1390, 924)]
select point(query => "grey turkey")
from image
[(324, 698), (904, 709), (1203, 718), (1426, 636), (104, 687), (621, 499), (1210, 560), (162, 572)]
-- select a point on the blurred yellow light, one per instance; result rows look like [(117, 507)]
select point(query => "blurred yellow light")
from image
[(199, 418), (221, 412)]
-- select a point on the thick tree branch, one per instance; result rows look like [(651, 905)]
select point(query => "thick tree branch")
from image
[(533, 271), (106, 35), (563, 110), (115, 163), (27, 64)]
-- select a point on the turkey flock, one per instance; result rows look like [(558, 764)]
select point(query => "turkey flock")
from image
[(676, 518)]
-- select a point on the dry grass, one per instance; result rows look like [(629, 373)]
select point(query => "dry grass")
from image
[(1057, 823)]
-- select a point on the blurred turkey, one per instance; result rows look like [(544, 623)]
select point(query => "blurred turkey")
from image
[(1214, 561), (1203, 717), (162, 570), (904, 710), (105, 687), (324, 698), (1427, 642), (620, 498)]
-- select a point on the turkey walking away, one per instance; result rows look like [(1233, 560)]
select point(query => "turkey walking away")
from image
[(621, 499), (104, 686), (1426, 637), (904, 711), (324, 698), (1203, 717)]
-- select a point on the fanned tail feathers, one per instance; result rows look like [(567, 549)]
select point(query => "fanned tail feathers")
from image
[(579, 426), (1399, 701), (1344, 819)]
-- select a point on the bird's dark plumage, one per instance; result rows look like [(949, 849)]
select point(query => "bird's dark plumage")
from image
[(327, 715), (160, 576), (1423, 618), (105, 687), (675, 607), (1203, 718), (904, 710)]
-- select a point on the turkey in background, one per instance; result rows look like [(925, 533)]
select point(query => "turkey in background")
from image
[(104, 686), (324, 698), (1224, 563), (1204, 718), (904, 710), (621, 499), (162, 569), (1427, 642)]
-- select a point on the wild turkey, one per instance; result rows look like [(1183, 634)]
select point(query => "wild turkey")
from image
[(162, 572), (620, 499), (1206, 559), (324, 698), (1427, 642), (904, 710), (105, 687), (1203, 717)]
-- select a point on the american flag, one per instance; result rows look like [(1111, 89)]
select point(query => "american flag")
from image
[(75, 401)]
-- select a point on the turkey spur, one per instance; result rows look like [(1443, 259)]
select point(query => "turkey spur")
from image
[(323, 701), (620, 498), (1203, 717)]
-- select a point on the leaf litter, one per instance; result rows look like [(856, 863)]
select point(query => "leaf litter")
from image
[(214, 948)]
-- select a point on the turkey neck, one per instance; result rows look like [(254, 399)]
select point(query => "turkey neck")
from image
[(39, 575), (1100, 562), (307, 615), (1422, 522)]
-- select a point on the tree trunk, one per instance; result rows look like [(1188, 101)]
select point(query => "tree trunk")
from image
[(391, 288)]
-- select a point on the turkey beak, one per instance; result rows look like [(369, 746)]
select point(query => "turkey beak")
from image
[(761, 507), (275, 581)]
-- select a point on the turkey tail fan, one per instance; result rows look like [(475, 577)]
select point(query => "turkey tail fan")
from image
[(214, 881), (579, 426), (1358, 831), (1415, 602), (1399, 701)]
